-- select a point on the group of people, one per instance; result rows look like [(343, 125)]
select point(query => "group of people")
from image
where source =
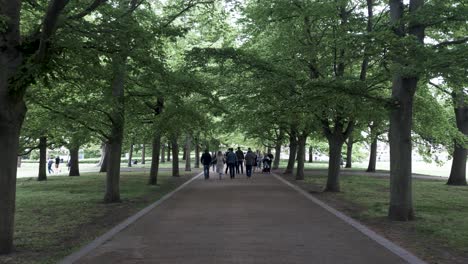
[(51, 162), (235, 162)]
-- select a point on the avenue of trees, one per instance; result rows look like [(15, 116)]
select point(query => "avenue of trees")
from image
[(179, 76)]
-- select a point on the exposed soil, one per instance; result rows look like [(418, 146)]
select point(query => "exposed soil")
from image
[(401, 233)]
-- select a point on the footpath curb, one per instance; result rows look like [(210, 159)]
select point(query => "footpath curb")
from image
[(394, 248), (109, 234)]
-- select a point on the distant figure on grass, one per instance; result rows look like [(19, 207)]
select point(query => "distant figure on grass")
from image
[(250, 159), (50, 162), (206, 161), (220, 163), (240, 161), (57, 164), (231, 160)]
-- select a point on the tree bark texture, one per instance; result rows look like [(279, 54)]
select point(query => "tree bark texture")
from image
[(143, 153), (12, 112), (311, 154), (292, 152), (74, 163), (188, 149), (175, 157), (116, 137), (130, 155), (42, 174), (163, 153), (373, 156), (458, 170), (169, 151), (277, 159), (401, 116), (105, 157), (301, 142), (153, 179), (335, 144), (197, 153), (349, 152)]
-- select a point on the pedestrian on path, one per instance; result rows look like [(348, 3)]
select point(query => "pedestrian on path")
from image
[(250, 160), (206, 161), (220, 163), (231, 160), (240, 161)]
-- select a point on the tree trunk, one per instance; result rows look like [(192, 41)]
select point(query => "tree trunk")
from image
[(143, 153), (301, 142), (18, 164), (74, 163), (277, 159), (169, 151), (349, 152), (11, 119), (184, 152), (104, 157), (292, 153), (311, 154), (130, 155), (188, 149), (197, 153), (401, 204), (153, 179), (401, 116), (115, 140), (42, 175), (335, 143), (458, 171), (163, 153), (175, 157), (373, 156)]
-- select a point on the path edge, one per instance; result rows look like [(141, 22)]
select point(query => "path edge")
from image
[(389, 245), (83, 251)]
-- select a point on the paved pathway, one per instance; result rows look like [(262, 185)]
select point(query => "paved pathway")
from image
[(258, 220)]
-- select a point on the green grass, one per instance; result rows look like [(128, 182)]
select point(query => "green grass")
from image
[(55, 217), (441, 210)]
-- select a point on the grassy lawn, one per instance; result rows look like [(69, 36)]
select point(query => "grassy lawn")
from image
[(440, 232), (56, 217)]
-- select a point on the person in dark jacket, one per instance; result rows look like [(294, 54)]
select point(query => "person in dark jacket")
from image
[(206, 161), (231, 161), (240, 161), (250, 160)]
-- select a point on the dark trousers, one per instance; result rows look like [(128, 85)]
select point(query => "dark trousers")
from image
[(239, 164), (49, 168), (206, 171), (231, 167), (248, 170)]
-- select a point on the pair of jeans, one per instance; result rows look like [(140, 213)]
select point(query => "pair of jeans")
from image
[(231, 167), (248, 170), (239, 164), (206, 171)]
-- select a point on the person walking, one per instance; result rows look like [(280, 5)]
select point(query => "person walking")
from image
[(250, 160), (231, 160), (57, 164), (206, 161), (220, 163), (49, 165), (240, 160)]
